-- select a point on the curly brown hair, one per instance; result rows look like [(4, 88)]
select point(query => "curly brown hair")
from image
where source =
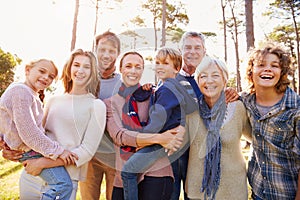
[(259, 54)]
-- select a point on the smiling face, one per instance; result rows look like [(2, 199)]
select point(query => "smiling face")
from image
[(132, 67), (193, 51), (80, 72), (40, 75), (211, 83), (107, 53), (165, 69), (266, 72)]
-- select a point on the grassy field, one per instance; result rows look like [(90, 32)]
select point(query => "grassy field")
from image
[(9, 181)]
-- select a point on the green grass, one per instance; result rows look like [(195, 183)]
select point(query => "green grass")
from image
[(9, 181)]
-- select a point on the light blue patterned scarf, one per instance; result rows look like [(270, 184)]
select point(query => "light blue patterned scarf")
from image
[(213, 120)]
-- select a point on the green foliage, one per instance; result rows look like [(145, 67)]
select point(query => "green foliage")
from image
[(231, 82), (284, 9), (8, 62), (175, 34), (176, 13), (138, 21)]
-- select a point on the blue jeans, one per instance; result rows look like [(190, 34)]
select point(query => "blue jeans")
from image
[(139, 162), (179, 167), (57, 178)]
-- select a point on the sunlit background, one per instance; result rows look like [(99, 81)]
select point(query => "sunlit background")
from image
[(43, 28)]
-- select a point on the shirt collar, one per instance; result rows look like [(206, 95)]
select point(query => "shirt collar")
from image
[(183, 73)]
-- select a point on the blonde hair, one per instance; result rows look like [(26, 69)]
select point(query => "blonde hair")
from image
[(35, 62), (93, 85), (209, 62)]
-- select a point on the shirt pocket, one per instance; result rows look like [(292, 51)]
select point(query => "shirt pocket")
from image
[(280, 132)]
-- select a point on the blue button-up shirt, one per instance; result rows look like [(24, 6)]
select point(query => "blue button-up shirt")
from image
[(275, 162)]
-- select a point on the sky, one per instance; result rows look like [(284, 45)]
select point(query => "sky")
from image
[(33, 29)]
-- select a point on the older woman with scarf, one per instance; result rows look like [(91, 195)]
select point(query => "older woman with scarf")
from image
[(216, 167), (127, 113)]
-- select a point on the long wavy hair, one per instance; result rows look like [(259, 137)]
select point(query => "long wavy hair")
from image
[(259, 54), (93, 84)]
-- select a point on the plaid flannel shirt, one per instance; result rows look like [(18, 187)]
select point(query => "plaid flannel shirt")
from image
[(275, 162)]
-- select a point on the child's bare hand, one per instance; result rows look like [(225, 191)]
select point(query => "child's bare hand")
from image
[(147, 86), (68, 157)]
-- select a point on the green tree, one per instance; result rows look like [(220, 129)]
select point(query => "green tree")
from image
[(175, 15), (8, 62), (288, 11), (223, 23), (234, 25), (285, 34)]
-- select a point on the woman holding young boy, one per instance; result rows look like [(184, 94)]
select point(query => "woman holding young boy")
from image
[(157, 181)]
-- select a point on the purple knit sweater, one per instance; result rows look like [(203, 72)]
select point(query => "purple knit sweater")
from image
[(21, 116)]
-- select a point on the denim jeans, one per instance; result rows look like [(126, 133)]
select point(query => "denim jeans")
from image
[(158, 188), (139, 162), (179, 167), (57, 178)]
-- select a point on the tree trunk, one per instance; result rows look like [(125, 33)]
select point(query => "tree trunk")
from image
[(236, 45), (163, 29), (73, 42), (249, 23), (297, 45), (96, 24), (224, 30), (155, 34)]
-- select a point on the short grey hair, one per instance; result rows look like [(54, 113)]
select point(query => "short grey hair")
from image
[(208, 62), (191, 34)]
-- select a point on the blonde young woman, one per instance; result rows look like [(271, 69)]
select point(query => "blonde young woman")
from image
[(216, 167)]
